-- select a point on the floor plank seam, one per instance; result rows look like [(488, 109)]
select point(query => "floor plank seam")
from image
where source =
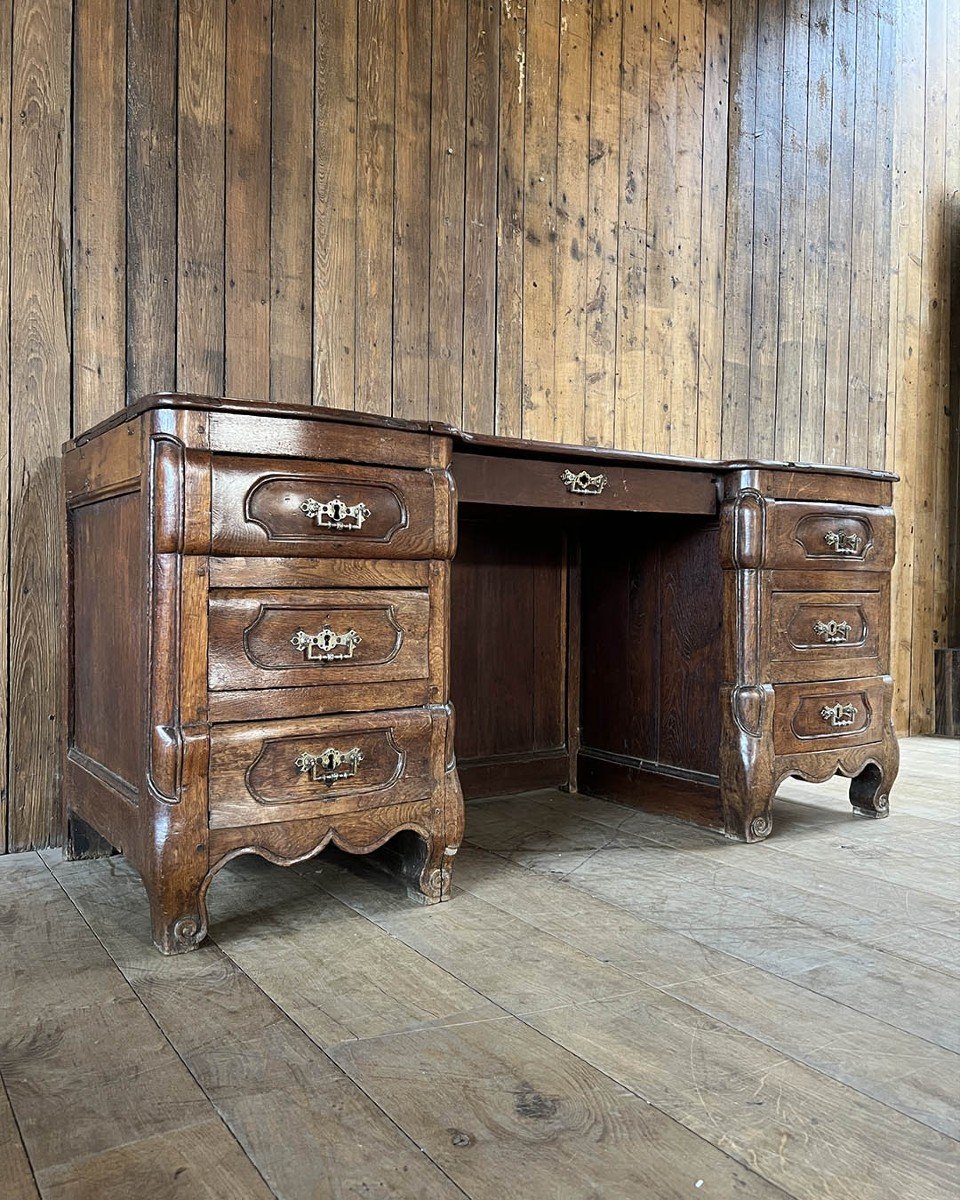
[(345, 1074), (19, 1132), (567, 1050), (665, 990), (215, 1109)]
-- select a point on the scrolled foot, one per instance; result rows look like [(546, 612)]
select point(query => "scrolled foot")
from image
[(869, 793), (760, 827), (750, 822), (179, 922)]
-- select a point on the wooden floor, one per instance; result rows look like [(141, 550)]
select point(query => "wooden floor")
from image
[(614, 1005)]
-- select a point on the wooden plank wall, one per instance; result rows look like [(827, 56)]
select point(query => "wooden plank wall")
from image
[(697, 226)]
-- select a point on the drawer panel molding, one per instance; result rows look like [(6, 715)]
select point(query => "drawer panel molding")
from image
[(827, 635), (291, 770), (301, 638), (293, 507), (820, 715)]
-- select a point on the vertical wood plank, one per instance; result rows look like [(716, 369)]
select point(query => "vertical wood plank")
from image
[(905, 323), (603, 219), (201, 143), (685, 329), (40, 337), (840, 220), (99, 210), (713, 224), (539, 219), (6, 70), (510, 196), (878, 412), (864, 222), (573, 158), (738, 271), (335, 204), (247, 262), (662, 209), (817, 214), (790, 331), (411, 229), (375, 173), (291, 202), (949, 521), (151, 196), (480, 217), (632, 222), (930, 397), (764, 331), (447, 128)]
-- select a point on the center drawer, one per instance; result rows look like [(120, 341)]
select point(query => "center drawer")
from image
[(309, 637), (287, 770)]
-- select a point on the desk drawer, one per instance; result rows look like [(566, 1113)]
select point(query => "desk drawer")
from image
[(825, 716), (835, 536), (288, 770), (827, 635), (583, 485), (299, 507), (301, 638)]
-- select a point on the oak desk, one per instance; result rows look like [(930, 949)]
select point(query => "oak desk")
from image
[(270, 611)]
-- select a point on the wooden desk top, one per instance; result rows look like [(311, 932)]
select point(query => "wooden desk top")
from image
[(466, 442)]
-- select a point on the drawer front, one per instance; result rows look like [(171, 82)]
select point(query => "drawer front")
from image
[(558, 483), (288, 770), (299, 638), (839, 536), (298, 507), (825, 716), (826, 635)]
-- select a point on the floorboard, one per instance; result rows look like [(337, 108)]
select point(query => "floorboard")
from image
[(615, 1004)]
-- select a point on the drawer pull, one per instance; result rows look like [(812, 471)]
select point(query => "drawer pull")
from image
[(843, 543), (584, 484), (330, 765), (832, 631), (335, 513), (322, 646), (839, 715)]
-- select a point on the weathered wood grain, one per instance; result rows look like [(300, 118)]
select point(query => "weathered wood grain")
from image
[(376, 48), (291, 202), (508, 418), (447, 162), (247, 246), (99, 210), (671, 1054), (6, 409), (335, 204), (540, 219), (14, 1164), (411, 201), (738, 266), (40, 335), (635, 101), (151, 283), (270, 1083), (56, 967), (201, 135), (713, 224), (480, 215), (603, 187)]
